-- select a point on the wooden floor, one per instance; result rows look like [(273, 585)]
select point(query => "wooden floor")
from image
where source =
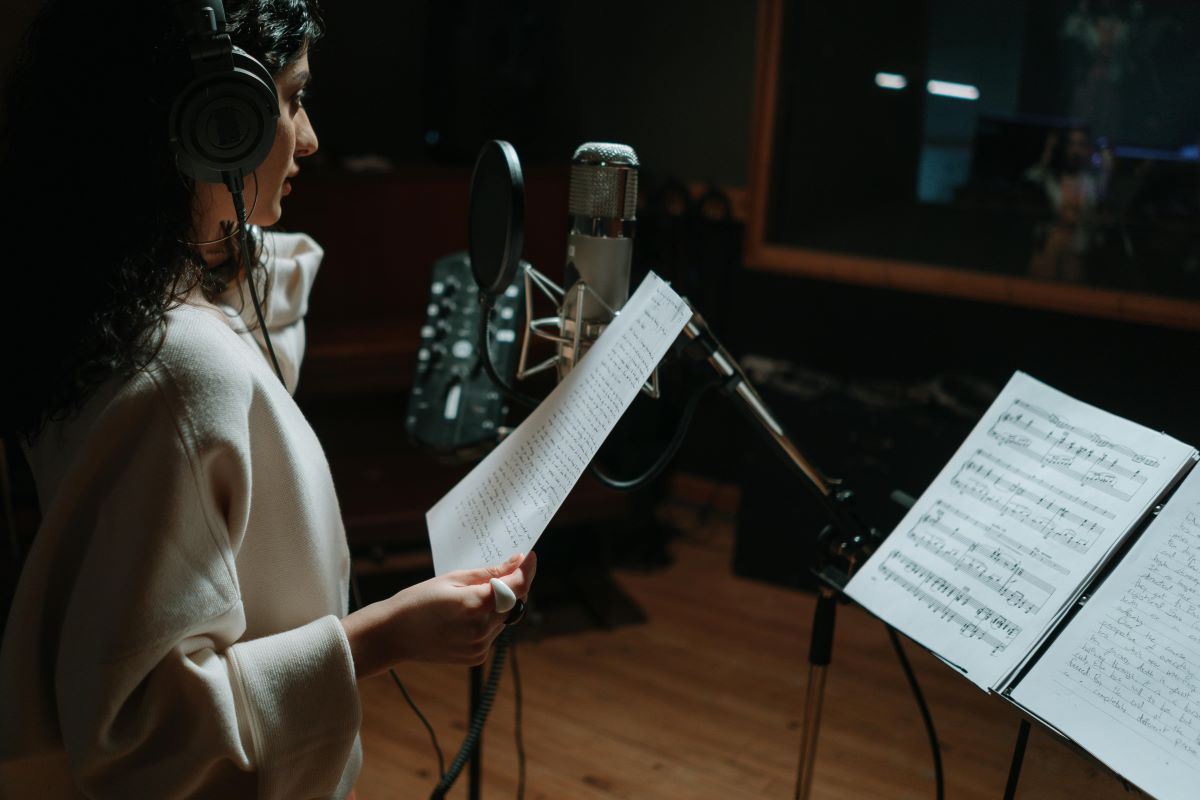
[(703, 700)]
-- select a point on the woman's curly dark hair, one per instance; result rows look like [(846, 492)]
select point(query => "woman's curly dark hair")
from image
[(94, 215)]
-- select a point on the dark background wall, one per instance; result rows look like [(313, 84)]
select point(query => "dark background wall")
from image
[(428, 81), (671, 77)]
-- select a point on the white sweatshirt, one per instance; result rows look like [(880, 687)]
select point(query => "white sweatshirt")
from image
[(175, 630)]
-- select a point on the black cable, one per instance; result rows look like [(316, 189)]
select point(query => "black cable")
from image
[(655, 469), (518, 734), (467, 750), (1014, 770), (239, 207), (485, 355), (441, 759), (925, 715)]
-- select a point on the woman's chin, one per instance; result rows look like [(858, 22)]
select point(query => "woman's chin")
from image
[(267, 214)]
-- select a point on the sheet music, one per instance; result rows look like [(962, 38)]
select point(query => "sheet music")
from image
[(1123, 678), (1002, 542), (502, 506)]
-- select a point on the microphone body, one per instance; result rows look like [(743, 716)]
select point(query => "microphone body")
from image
[(602, 219)]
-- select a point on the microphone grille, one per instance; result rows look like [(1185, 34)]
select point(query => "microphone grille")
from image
[(604, 181), (605, 153)]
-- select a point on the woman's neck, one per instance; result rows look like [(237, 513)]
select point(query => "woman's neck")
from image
[(217, 253), (210, 227)]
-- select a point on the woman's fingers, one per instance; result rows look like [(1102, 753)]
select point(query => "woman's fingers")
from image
[(516, 574), (520, 579), (472, 577)]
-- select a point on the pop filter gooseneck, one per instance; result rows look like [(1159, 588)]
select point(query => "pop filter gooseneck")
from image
[(495, 237)]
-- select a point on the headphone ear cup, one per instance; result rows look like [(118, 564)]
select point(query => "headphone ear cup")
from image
[(224, 122)]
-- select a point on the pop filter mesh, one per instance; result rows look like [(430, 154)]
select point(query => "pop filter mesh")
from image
[(496, 218)]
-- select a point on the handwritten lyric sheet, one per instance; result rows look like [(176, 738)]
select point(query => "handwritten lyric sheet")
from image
[(1002, 542), (1123, 678), (502, 506)]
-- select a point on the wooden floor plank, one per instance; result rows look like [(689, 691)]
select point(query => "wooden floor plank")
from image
[(704, 700)]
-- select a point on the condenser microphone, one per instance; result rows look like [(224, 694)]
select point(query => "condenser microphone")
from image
[(602, 216)]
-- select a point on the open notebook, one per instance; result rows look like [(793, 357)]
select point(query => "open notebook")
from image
[(989, 567)]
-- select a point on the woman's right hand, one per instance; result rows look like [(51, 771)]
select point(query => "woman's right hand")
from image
[(449, 619)]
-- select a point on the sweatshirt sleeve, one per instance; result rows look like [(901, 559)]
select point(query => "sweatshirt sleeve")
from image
[(291, 261), (159, 694)]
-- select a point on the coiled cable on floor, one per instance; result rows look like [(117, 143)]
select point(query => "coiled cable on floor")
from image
[(477, 722)]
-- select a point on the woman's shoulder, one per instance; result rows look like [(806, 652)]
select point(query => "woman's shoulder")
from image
[(202, 369), (186, 399)]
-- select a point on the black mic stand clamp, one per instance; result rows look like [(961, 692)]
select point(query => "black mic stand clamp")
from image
[(838, 549)]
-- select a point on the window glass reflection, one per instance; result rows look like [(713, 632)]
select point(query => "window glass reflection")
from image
[(1052, 139)]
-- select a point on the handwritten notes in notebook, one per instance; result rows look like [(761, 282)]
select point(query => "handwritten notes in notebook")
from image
[(502, 506), (1020, 519), (1123, 678)]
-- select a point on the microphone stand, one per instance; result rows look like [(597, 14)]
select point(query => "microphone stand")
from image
[(840, 547), (475, 765)]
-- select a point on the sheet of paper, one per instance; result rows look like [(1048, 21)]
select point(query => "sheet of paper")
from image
[(502, 506), (1123, 678), (1004, 539)]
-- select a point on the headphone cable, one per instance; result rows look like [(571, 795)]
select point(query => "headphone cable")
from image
[(236, 191), (239, 206), (447, 777), (232, 233)]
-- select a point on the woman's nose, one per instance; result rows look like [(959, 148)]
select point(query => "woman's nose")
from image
[(306, 137)]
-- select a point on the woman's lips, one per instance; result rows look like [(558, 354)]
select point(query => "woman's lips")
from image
[(287, 187)]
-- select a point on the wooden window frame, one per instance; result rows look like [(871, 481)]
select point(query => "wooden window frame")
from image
[(907, 275)]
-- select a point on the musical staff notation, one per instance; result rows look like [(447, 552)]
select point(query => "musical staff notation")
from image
[(994, 531), (1038, 496), (985, 477), (1028, 479), (993, 566), (1086, 457), (944, 598)]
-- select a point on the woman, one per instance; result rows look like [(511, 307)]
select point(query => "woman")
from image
[(180, 625)]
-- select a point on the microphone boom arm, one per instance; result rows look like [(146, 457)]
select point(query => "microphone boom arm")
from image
[(841, 546), (846, 540)]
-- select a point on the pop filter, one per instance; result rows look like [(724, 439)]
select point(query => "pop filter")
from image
[(496, 218)]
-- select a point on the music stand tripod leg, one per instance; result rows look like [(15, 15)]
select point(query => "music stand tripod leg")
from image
[(820, 652)]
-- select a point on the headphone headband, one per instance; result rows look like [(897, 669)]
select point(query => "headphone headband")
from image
[(200, 18), (203, 26)]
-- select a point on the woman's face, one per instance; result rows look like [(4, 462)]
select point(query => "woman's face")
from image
[(271, 182), (294, 139)]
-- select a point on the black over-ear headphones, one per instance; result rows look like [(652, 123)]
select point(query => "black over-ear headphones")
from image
[(223, 122)]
